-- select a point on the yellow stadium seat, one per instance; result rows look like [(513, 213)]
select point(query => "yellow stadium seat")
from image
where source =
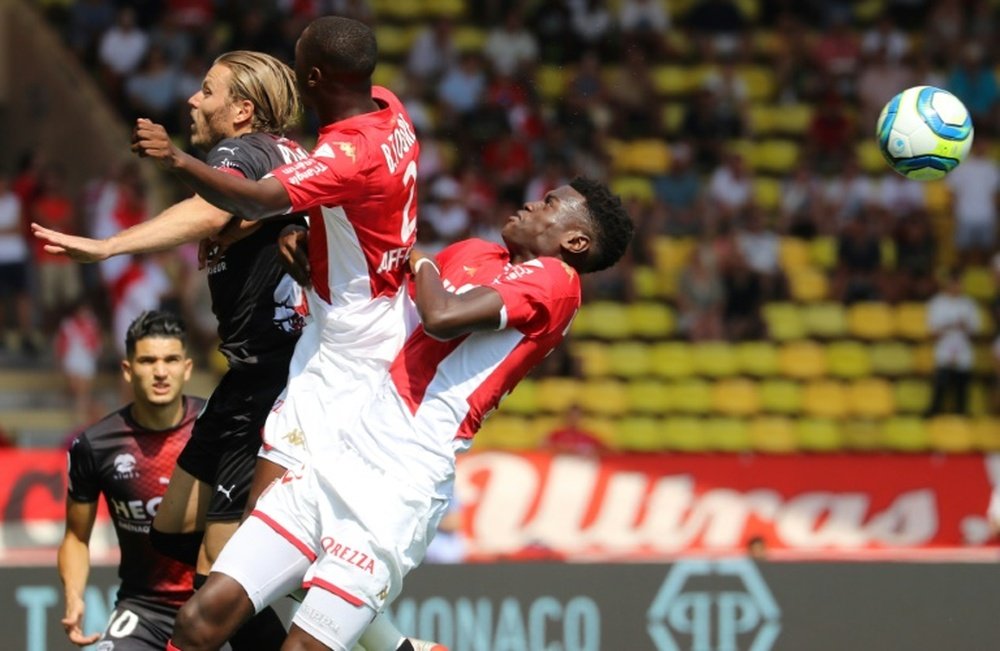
[(910, 321), (979, 400), (759, 81), (986, 325), (793, 254), (848, 360), (551, 81), (792, 119), (869, 157), (784, 321), (649, 320), (808, 284), (602, 319), (448, 8), (544, 424), (605, 428), (641, 434), (757, 358), (508, 433), (761, 119), (386, 74), (923, 359), (777, 156), (714, 359), (772, 434), (736, 397), (393, 41), (824, 399), (938, 197), (766, 192), (823, 252), (466, 37), (950, 434), (629, 359), (978, 283), (986, 432), (803, 360), (672, 253), (648, 156), (780, 396), (891, 358), (672, 359), (648, 397), (646, 283), (982, 359), (912, 396), (861, 434), (671, 81), (407, 12), (633, 187), (871, 320), (905, 434), (818, 435), (604, 397), (826, 320), (556, 394), (685, 434), (672, 116), (871, 398), (523, 400), (691, 396), (727, 434), (593, 357)]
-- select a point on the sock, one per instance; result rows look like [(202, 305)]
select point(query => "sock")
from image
[(171, 647), (199, 580), (262, 632), (381, 635), (181, 547)]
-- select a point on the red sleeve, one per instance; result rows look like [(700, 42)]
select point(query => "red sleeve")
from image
[(539, 296), (327, 177)]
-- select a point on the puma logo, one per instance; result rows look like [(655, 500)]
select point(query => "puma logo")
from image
[(228, 493), (231, 150)]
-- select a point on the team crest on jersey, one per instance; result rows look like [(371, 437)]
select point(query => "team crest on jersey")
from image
[(290, 305), (349, 150), (470, 271), (125, 467), (296, 437)]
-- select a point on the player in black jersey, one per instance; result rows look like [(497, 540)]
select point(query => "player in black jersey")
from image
[(128, 457), (247, 100)]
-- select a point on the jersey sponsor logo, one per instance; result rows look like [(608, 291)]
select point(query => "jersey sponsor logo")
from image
[(399, 142), (303, 171), (217, 268), (135, 511), (393, 259), (125, 467), (350, 556), (164, 481)]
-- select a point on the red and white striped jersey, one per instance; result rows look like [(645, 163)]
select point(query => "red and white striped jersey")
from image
[(449, 387), (360, 187)]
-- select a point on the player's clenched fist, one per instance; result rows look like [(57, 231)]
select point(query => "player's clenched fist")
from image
[(151, 139), (293, 252)]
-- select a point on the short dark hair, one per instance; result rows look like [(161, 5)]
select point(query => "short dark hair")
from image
[(342, 47), (155, 323), (613, 227)]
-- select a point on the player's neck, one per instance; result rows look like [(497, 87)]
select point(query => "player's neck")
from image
[(338, 108), (158, 417)]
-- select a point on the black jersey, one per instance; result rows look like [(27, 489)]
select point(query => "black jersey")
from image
[(131, 466), (257, 305)]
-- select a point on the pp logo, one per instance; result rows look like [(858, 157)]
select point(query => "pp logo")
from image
[(706, 605)]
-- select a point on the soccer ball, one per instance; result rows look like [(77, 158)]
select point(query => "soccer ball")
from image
[(924, 132)]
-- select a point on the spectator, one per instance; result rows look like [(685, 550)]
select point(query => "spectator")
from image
[(551, 23), (447, 213), (801, 205), (680, 188), (78, 348), (899, 197), (744, 298), (553, 175), (760, 247), (915, 256), (644, 23), (708, 126), (592, 23), (636, 108), (432, 52), (879, 81), (859, 263), (14, 269), (701, 297), (153, 91), (510, 48), (829, 140), (837, 54), (59, 282), (952, 318), (973, 82), (886, 37), (572, 437), (730, 187), (461, 88), (975, 186), (849, 194), (122, 49)]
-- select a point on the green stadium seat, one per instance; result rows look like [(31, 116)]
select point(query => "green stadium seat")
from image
[(772, 434), (792, 119), (802, 360), (777, 156), (871, 398), (714, 359), (604, 397), (923, 359), (905, 434), (393, 41), (824, 399), (629, 359), (685, 434), (605, 428), (447, 8), (672, 80), (848, 360), (649, 320), (550, 81), (784, 321), (727, 434), (826, 320), (466, 37), (951, 434), (818, 435), (691, 396), (779, 396), (912, 396), (648, 397), (672, 360), (891, 358), (757, 358), (672, 116), (759, 81), (736, 397), (641, 434)]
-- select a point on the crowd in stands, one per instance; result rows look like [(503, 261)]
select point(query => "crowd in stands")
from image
[(739, 133)]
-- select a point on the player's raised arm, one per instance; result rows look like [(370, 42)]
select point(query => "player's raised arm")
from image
[(74, 567), (250, 199), (445, 315)]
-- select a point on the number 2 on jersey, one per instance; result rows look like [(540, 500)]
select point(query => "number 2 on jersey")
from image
[(409, 221)]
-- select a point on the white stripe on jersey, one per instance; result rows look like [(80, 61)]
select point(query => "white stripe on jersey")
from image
[(348, 274)]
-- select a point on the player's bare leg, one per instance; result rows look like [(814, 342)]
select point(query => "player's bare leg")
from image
[(180, 519), (215, 612)]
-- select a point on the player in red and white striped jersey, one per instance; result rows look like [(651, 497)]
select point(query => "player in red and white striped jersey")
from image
[(350, 523)]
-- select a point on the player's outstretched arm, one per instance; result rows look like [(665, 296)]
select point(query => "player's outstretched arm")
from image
[(251, 200), (445, 315), (187, 221), (74, 567)]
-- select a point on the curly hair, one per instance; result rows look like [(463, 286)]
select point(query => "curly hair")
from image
[(613, 227), (155, 323), (342, 47)]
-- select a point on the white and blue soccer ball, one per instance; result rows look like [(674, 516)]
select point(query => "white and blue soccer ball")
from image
[(924, 132)]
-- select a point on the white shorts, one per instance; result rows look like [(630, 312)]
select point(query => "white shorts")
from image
[(365, 529)]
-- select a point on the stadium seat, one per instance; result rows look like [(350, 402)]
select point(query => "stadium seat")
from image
[(923, 359), (759, 81), (714, 359), (905, 434), (672, 359), (784, 321), (986, 433), (792, 119), (861, 435), (605, 428), (672, 116), (650, 320), (910, 321), (685, 434), (523, 400), (736, 397), (404, 12), (824, 399), (986, 325), (818, 435), (466, 37), (802, 360), (772, 434), (448, 8), (826, 320), (602, 319), (648, 156), (870, 320), (823, 252), (551, 81), (808, 285), (848, 360), (727, 434), (869, 157), (507, 433), (761, 119), (604, 397), (648, 397), (671, 254), (871, 398), (777, 156), (593, 357), (387, 74), (671, 81), (983, 361), (633, 187), (978, 283), (766, 193), (691, 396), (629, 359), (393, 41), (951, 434), (646, 283), (891, 358), (556, 394), (779, 396), (912, 396), (757, 358), (640, 434), (793, 254)]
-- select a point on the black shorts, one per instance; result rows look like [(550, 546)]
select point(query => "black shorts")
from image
[(225, 439), (13, 278), (134, 627)]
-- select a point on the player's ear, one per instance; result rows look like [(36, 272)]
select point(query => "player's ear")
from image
[(575, 241), (188, 366), (127, 371), (243, 112)]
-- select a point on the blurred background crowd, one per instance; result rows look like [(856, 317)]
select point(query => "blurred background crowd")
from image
[(786, 290)]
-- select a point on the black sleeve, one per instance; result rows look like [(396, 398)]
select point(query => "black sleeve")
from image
[(245, 155), (84, 481)]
